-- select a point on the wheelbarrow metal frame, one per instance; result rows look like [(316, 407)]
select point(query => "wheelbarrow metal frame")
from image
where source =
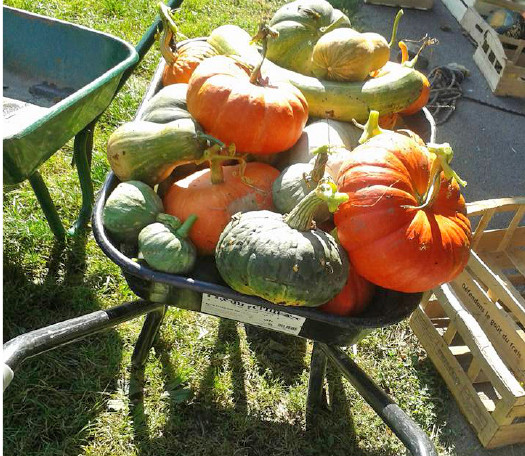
[(99, 93)]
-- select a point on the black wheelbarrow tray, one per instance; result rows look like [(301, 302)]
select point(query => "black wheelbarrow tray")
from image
[(204, 291)]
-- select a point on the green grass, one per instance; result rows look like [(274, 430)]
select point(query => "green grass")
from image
[(210, 387)]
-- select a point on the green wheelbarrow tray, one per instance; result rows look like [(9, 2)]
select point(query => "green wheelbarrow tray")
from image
[(58, 77)]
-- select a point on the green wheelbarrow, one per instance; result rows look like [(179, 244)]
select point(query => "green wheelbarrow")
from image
[(58, 79)]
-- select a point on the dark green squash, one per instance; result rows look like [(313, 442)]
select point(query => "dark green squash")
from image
[(165, 247), (130, 207), (167, 105), (282, 258)]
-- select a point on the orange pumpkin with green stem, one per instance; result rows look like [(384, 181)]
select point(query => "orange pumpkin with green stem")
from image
[(215, 194), (181, 63), (235, 106), (405, 225)]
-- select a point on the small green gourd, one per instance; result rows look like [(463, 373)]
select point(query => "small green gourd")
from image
[(165, 247), (130, 207), (299, 179), (282, 258)]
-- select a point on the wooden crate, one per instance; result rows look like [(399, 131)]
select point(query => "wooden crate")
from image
[(473, 328), (501, 59), (416, 4)]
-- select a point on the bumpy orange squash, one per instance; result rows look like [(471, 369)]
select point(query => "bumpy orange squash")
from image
[(405, 225)]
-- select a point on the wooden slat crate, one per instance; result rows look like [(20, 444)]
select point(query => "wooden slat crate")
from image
[(473, 328), (501, 59)]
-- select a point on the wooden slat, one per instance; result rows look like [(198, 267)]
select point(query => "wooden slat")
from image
[(481, 347), (450, 333), (500, 328), (452, 373), (517, 257), (474, 370), (514, 223), (499, 204), (482, 225), (494, 278), (505, 435), (490, 239)]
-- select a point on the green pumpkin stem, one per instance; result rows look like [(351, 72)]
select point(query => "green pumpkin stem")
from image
[(441, 163), (262, 35), (321, 160), (213, 156), (394, 28), (302, 215), (212, 139), (169, 30), (185, 228), (169, 220), (333, 25), (371, 128)]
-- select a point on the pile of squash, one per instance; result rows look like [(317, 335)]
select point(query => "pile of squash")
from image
[(271, 154)]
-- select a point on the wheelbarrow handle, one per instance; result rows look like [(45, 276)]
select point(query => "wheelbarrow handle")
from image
[(146, 42), (30, 344), (412, 436)]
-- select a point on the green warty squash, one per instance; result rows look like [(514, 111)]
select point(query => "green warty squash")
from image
[(281, 258), (130, 207), (165, 247)]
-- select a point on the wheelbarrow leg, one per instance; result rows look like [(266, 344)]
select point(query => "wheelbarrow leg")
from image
[(316, 399), (47, 205), (401, 424), (16, 350), (82, 150), (147, 337)]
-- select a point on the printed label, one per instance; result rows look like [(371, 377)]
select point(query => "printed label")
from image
[(277, 320)]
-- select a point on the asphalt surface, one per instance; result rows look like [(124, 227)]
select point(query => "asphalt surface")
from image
[(488, 143)]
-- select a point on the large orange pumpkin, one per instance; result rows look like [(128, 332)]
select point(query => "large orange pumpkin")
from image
[(353, 298), (405, 225), (215, 194), (258, 117)]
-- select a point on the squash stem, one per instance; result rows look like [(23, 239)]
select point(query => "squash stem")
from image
[(301, 216), (169, 30), (169, 220), (394, 28), (443, 155), (185, 228), (262, 35), (321, 160), (211, 139), (371, 128), (333, 25)]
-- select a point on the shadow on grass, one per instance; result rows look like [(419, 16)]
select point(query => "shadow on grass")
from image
[(282, 354), (54, 397), (203, 426)]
